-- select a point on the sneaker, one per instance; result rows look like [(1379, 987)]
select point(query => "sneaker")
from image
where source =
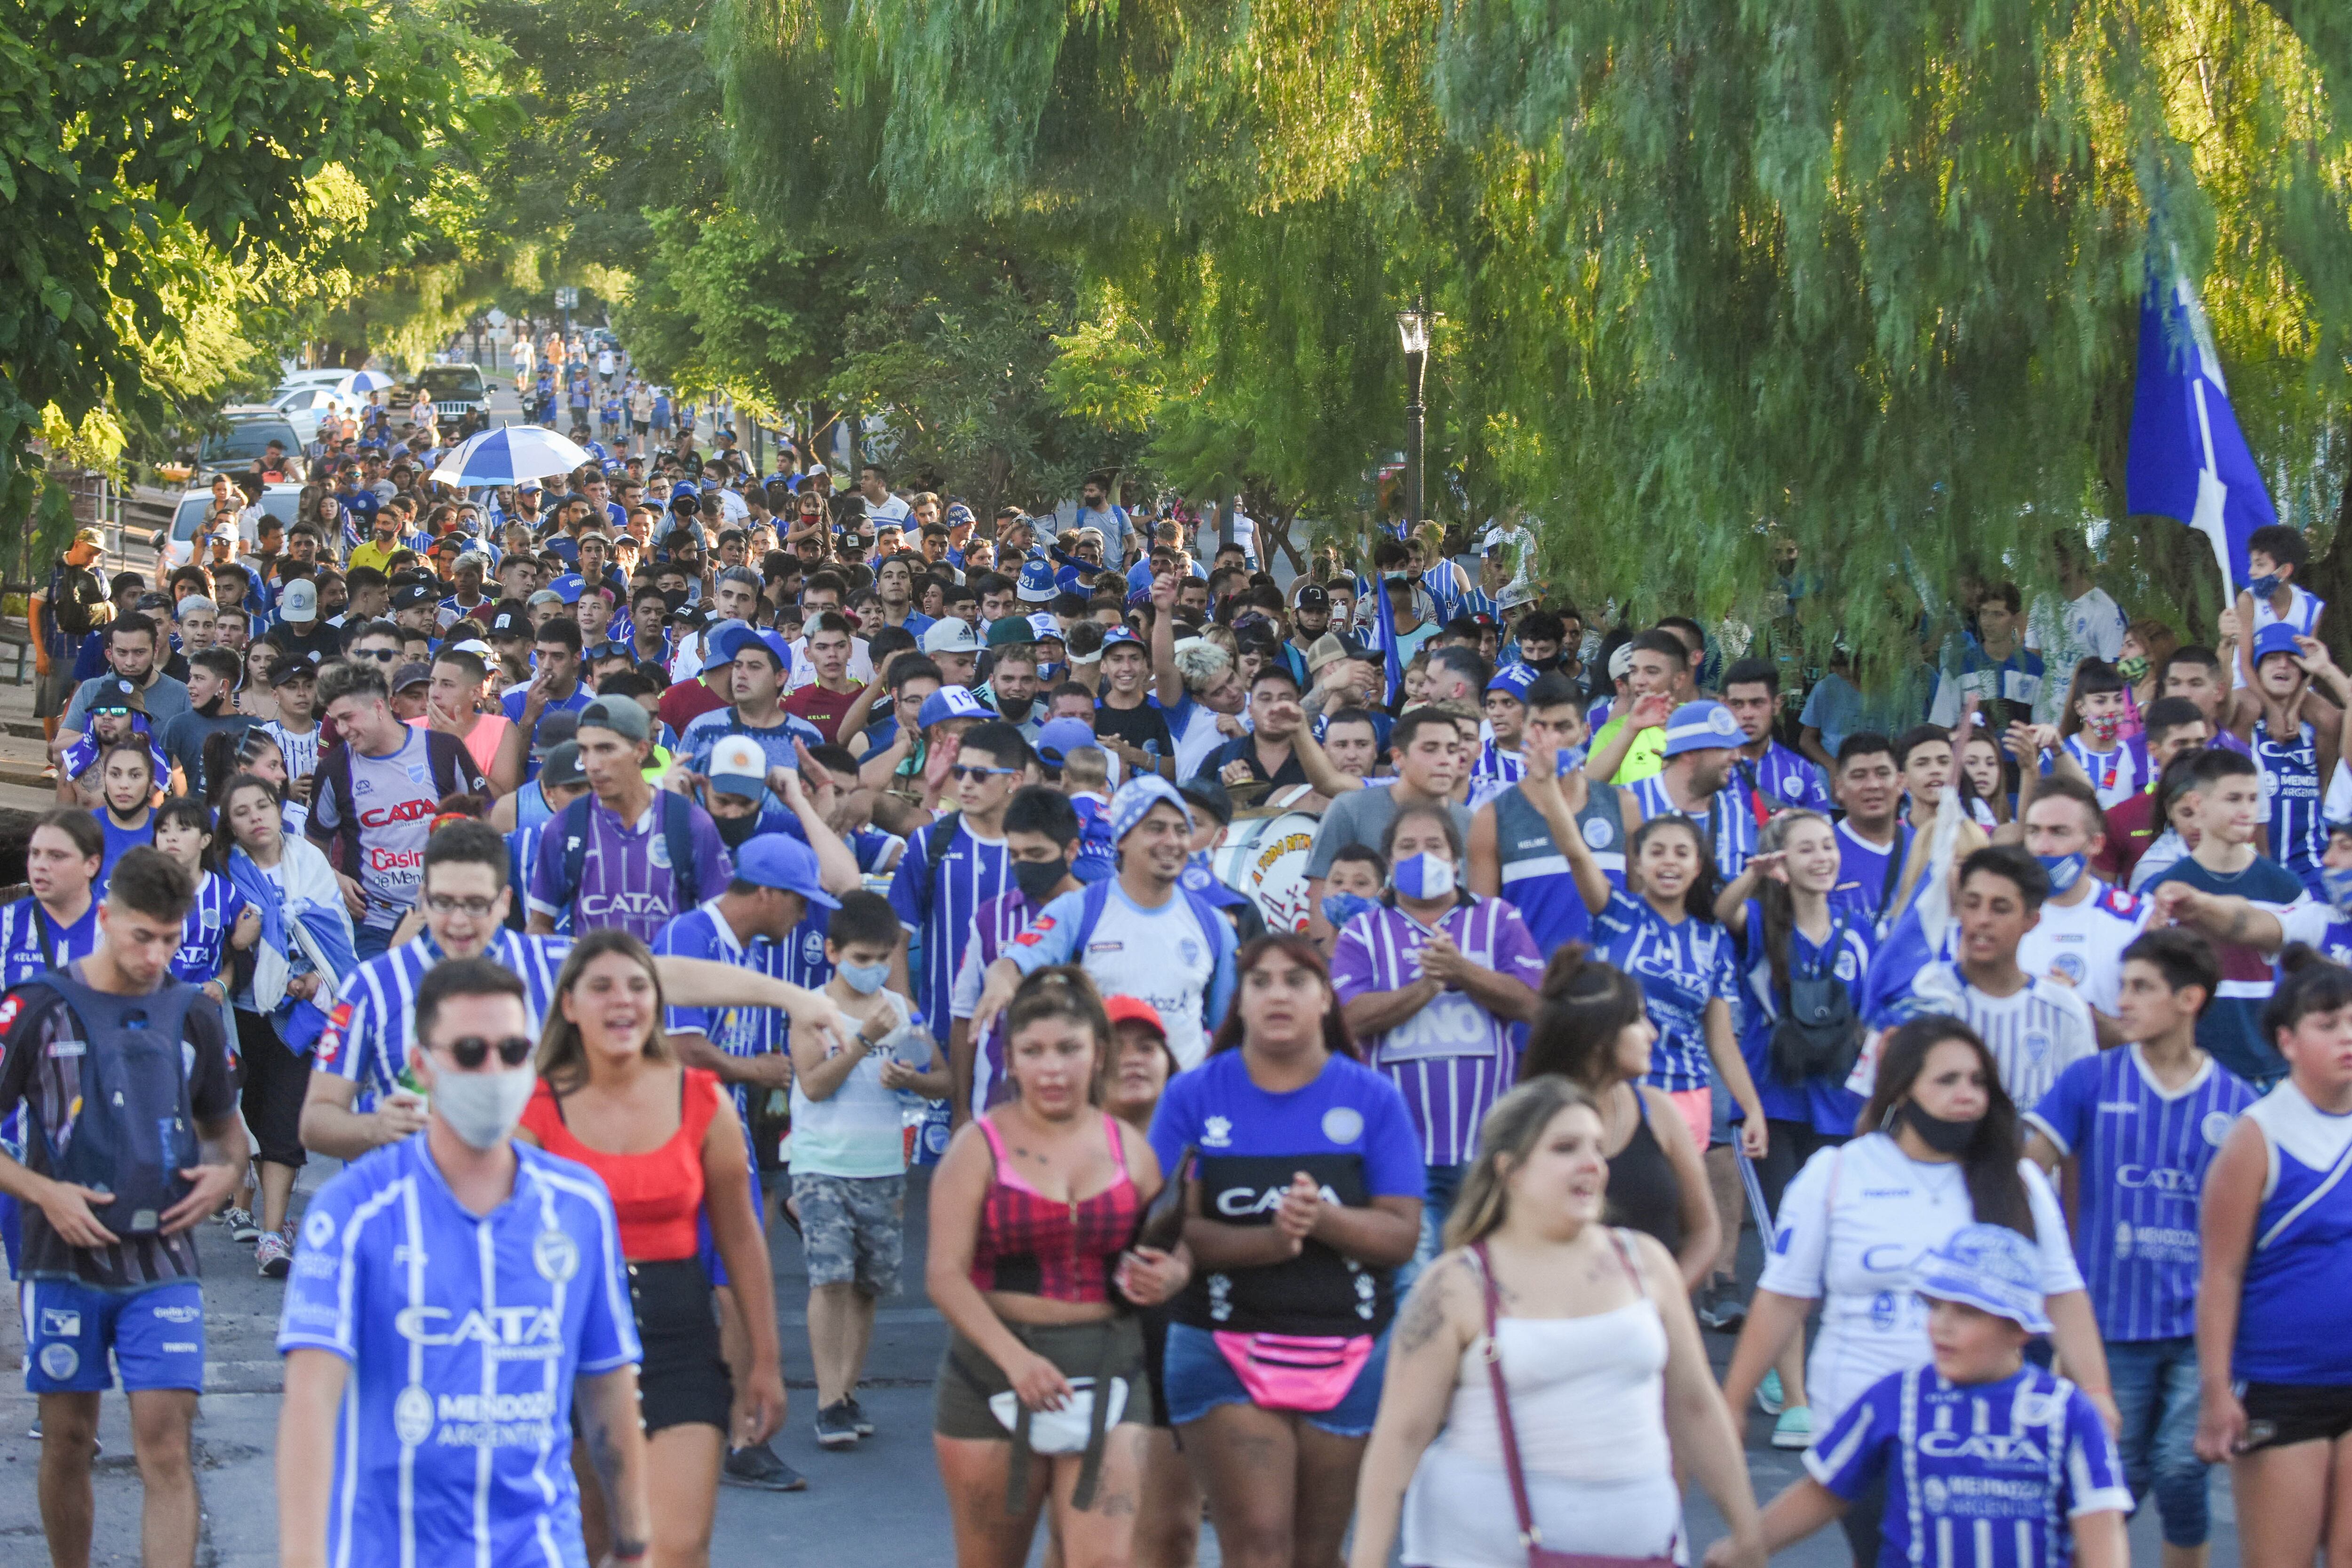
[(1769, 1397), (241, 1227), (758, 1466), (835, 1429), (274, 1254), (1720, 1308), (858, 1419), (1794, 1429)]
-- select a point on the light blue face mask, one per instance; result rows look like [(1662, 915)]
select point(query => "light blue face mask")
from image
[(1050, 672), (1422, 877), (1338, 909), (864, 978), (2064, 870), (1571, 758), (2335, 881)]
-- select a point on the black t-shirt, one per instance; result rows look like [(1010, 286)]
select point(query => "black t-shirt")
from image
[(183, 736), (1243, 749), (75, 593), (44, 1053), (1136, 726)]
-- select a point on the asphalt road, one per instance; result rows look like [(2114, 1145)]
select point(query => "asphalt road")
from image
[(881, 1501)]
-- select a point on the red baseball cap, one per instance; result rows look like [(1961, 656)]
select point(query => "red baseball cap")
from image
[(1134, 1010)]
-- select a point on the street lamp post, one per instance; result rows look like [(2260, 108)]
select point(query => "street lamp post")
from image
[(1413, 329)]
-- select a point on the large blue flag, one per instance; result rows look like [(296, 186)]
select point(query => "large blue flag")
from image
[(1384, 622), (2188, 459)]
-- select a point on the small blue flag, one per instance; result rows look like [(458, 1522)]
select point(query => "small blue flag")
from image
[(2189, 459), (1384, 623)]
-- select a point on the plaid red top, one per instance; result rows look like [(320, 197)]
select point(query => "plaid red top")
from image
[(1052, 1247)]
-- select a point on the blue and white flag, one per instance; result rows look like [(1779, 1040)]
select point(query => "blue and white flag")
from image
[(2189, 459), (1384, 624)]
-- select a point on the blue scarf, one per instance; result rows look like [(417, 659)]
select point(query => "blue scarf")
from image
[(298, 1021)]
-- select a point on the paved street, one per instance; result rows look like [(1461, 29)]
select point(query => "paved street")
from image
[(885, 1495)]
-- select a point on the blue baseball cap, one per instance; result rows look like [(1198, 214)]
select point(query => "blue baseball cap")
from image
[(1991, 1267), (1043, 626), (1702, 726), (731, 643), (2276, 637), (1113, 636), (951, 702), (1058, 739), (714, 655), (781, 860), (1037, 583)]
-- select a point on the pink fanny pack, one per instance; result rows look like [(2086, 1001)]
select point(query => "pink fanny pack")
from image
[(1295, 1371)]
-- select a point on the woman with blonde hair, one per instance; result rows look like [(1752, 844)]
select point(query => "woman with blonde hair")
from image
[(1547, 1380), (665, 1140)]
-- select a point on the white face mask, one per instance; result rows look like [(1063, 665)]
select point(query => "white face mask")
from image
[(482, 1108)]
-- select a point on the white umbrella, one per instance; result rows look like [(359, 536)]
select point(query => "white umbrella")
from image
[(505, 456), (366, 380)]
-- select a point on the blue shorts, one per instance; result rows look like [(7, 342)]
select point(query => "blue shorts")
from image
[(157, 1336), (1197, 1379)]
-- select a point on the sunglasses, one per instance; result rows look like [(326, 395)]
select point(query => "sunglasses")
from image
[(382, 655), (974, 772), (471, 1050)]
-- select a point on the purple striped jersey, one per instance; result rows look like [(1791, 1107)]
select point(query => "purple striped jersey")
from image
[(994, 924), (2140, 1156), (936, 902), (1454, 1059)]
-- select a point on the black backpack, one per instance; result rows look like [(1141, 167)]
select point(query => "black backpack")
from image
[(1818, 1034), (137, 1129)]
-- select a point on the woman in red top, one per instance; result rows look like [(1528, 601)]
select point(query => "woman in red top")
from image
[(666, 1141), (1033, 1209)]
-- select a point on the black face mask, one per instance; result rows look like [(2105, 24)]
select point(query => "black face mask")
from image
[(1038, 879), (1943, 1136), (736, 831), (1011, 710), (674, 597)]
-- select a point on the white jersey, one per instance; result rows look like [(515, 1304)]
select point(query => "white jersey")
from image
[(861, 667), (2034, 1034), (2084, 944), (1162, 955), (1851, 1230), (2064, 634)]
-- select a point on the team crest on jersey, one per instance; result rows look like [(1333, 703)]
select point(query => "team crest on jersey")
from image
[(2069, 965), (2216, 1127), (1188, 949), (659, 851), (1599, 834), (1933, 1493), (1216, 1133), (2123, 1238), (1844, 967), (412, 1415), (1343, 1124), (555, 1255), (2036, 1043), (318, 1228), (60, 1360)]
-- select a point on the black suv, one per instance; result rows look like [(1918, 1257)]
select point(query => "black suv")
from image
[(461, 399)]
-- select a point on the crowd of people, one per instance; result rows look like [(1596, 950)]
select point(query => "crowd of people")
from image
[(616, 873)]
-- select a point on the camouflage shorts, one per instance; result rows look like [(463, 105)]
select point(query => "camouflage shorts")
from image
[(853, 1229)]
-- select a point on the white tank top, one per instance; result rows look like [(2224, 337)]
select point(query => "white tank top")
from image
[(1588, 1395)]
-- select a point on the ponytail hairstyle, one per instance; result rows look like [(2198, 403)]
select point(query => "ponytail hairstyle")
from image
[(1587, 1002), (1064, 992), (1779, 904), (1698, 899), (1506, 1137), (1996, 1191), (2310, 983)]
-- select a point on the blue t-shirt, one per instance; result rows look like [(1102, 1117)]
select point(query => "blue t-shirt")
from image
[(210, 920), (31, 943), (2140, 1156), (1824, 1103), (1990, 1474), (1682, 968), (1866, 880), (1348, 1129), (464, 1334)]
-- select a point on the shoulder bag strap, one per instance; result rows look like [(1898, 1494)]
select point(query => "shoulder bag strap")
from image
[(1529, 1536)]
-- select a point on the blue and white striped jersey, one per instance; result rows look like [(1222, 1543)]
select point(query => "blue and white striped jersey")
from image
[(366, 1037), (464, 1334), (202, 945), (33, 942), (1682, 967), (2116, 775), (2291, 784), (2140, 1156), (1978, 1475), (1729, 826), (936, 902)]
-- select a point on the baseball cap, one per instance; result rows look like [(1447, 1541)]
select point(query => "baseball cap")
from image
[(1701, 726), (562, 767), (507, 619), (714, 651), (743, 637), (780, 861), (2276, 637), (416, 593), (299, 601), (1037, 583), (289, 667), (1620, 663), (1991, 1267), (1135, 800), (94, 537), (522, 485), (414, 674), (1134, 1010), (1325, 651), (118, 693), (951, 702), (1043, 627), (1060, 737), (1011, 629), (739, 766), (1113, 636), (1313, 597), (949, 635), (621, 715)]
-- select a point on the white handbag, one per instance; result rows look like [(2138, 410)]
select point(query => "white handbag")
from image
[(1062, 1431)]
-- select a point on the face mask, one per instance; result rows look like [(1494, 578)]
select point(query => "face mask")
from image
[(1943, 1136), (736, 831), (2133, 669), (1038, 879), (1422, 877), (481, 1107), (1571, 758), (1014, 710), (674, 597), (1338, 909), (2335, 881), (864, 978), (2064, 870), (2263, 586), (1050, 672)]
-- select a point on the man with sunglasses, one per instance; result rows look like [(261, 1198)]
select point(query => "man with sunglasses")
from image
[(466, 899), (428, 1412)]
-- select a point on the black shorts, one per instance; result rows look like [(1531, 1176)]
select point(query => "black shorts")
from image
[(272, 1083), (683, 1378), (2279, 1414)]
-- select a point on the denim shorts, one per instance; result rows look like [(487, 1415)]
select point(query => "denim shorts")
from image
[(1198, 1379), (157, 1336)]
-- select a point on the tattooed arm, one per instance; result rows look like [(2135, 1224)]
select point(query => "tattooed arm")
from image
[(615, 1442), (1442, 1318)]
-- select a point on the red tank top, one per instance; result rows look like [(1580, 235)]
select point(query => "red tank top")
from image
[(1046, 1247), (657, 1196)]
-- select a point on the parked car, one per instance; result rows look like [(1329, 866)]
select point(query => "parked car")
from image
[(461, 398), (248, 430), (304, 408), (176, 546)]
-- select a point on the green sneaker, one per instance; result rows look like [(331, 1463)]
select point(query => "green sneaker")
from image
[(1794, 1429), (1769, 1397)]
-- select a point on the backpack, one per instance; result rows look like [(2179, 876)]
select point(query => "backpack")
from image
[(137, 1129), (1818, 1034), (442, 752), (1096, 899), (678, 837)]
